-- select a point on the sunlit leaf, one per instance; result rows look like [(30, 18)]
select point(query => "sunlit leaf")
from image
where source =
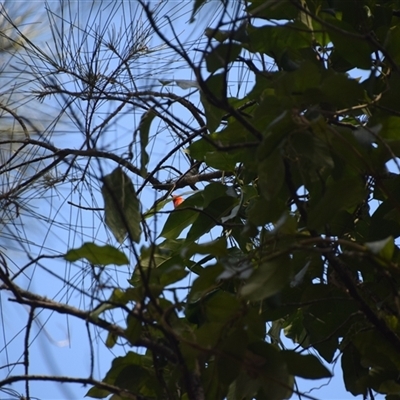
[(97, 393), (98, 255)]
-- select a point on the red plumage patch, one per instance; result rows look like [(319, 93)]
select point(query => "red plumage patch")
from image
[(177, 200)]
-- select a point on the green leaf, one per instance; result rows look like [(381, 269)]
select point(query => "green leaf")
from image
[(122, 207), (268, 279), (392, 43), (294, 328), (206, 282), (111, 340), (271, 173), (221, 160), (347, 153), (161, 265), (382, 248), (132, 377), (213, 95), (367, 136), (133, 330), (255, 326), (144, 128), (119, 364), (324, 321), (231, 352), (276, 134), (375, 351), (353, 49), (157, 207), (213, 388), (273, 10), (217, 247), (334, 200), (199, 149), (118, 297), (390, 128), (94, 315), (277, 41), (220, 35), (389, 98), (232, 135), (272, 373), (385, 221), (207, 334), (304, 83), (197, 5), (304, 17), (180, 219), (220, 307), (222, 55), (310, 151), (341, 91), (173, 271), (306, 366), (354, 373), (97, 393), (98, 255), (211, 216), (262, 212), (244, 387), (287, 225)]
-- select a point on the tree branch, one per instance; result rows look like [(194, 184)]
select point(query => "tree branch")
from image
[(34, 300), (68, 379)]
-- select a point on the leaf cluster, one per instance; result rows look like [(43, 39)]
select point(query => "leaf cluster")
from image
[(300, 242), (308, 224)]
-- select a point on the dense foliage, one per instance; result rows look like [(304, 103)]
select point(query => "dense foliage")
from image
[(292, 228)]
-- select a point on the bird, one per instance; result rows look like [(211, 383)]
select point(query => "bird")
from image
[(177, 200)]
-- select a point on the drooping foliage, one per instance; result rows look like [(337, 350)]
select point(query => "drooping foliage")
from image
[(308, 210), (284, 258)]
